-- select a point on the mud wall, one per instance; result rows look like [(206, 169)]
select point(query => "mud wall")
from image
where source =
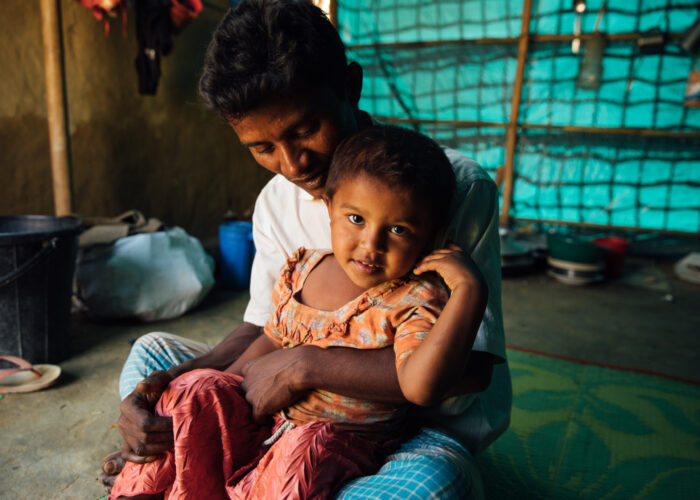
[(166, 155)]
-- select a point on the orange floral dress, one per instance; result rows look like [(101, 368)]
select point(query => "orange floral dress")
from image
[(313, 446), (400, 312)]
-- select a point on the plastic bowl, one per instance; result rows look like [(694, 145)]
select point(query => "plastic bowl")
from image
[(571, 249)]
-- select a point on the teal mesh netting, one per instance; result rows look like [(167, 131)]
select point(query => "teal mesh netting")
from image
[(617, 179)]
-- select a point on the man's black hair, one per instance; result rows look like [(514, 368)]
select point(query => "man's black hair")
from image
[(398, 157), (265, 49)]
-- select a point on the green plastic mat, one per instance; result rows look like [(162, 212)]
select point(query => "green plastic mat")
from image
[(582, 431)]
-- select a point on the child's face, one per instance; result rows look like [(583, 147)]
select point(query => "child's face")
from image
[(377, 231)]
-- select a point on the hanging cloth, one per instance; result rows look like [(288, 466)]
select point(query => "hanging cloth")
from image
[(154, 39), (156, 22), (103, 9)]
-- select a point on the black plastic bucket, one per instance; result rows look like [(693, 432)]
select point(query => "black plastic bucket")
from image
[(37, 260)]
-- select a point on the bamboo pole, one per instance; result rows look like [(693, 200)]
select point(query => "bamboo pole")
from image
[(645, 132), (512, 39), (55, 106), (512, 134), (430, 121), (633, 131), (333, 12), (605, 227)]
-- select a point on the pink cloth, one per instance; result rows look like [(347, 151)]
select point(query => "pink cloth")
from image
[(219, 452)]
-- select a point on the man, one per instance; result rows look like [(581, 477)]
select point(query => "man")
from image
[(276, 71)]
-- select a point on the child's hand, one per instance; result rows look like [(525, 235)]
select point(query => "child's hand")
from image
[(454, 266)]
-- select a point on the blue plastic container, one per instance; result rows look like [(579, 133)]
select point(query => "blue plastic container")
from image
[(237, 252)]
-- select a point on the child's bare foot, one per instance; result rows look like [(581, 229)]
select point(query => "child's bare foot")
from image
[(112, 465)]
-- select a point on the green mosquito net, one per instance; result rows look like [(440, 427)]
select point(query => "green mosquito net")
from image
[(620, 179)]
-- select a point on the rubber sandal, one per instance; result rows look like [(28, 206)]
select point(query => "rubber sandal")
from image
[(26, 377)]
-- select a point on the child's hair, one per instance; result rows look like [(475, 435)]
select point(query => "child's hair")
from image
[(265, 49), (397, 157)]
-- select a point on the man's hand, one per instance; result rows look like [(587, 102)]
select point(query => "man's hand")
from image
[(271, 381), (145, 434)]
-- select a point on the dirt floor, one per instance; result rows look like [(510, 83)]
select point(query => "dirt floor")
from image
[(54, 440)]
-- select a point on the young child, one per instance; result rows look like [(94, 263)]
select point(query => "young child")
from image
[(388, 194)]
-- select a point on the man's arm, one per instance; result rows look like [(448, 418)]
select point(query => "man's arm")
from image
[(477, 375), (225, 353), (276, 380), (371, 373), (260, 347)]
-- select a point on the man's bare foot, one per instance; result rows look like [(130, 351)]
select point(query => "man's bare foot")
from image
[(112, 465)]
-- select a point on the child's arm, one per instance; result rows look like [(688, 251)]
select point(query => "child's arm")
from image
[(260, 346), (434, 366)]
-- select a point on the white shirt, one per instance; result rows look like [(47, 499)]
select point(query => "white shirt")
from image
[(287, 217)]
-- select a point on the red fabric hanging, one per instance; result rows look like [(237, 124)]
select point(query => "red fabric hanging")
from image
[(109, 8), (100, 8), (183, 11)]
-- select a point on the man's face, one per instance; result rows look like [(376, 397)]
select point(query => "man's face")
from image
[(378, 231), (296, 136)]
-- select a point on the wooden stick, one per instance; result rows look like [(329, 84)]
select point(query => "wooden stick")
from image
[(333, 12), (506, 40), (458, 123), (55, 106), (634, 131), (512, 134), (605, 227), (614, 130), (499, 175)]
